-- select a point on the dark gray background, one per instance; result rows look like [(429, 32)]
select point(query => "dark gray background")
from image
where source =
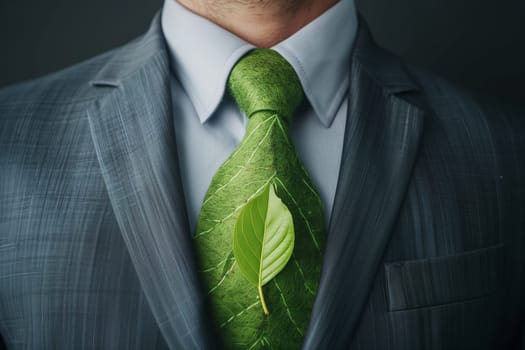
[(477, 43)]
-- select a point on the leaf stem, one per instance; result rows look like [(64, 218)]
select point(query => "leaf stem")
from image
[(263, 303)]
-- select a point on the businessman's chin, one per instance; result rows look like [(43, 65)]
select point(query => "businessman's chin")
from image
[(286, 6)]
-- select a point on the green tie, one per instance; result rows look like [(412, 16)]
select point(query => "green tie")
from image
[(253, 193)]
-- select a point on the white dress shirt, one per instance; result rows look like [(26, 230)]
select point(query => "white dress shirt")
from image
[(209, 125)]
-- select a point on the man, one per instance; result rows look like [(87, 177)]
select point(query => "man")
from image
[(104, 167)]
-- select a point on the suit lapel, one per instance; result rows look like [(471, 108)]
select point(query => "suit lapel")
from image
[(132, 130), (381, 142)]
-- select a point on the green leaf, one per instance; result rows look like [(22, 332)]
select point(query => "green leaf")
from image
[(263, 239)]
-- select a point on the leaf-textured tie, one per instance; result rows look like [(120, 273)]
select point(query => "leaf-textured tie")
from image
[(260, 233)]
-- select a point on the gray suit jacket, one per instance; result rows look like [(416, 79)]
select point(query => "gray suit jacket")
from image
[(425, 248)]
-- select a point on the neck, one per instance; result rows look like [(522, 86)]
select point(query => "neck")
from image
[(262, 23)]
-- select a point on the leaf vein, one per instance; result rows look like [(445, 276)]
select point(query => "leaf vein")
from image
[(301, 272), (287, 308), (310, 230), (255, 194), (216, 266), (222, 279), (240, 313), (241, 168)]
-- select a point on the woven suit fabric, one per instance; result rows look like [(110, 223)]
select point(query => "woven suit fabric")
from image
[(266, 88)]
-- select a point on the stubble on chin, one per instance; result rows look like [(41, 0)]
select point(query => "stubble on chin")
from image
[(224, 8)]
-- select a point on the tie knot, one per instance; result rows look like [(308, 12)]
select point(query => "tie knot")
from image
[(263, 80)]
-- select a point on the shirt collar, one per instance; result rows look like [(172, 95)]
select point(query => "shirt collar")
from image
[(204, 53)]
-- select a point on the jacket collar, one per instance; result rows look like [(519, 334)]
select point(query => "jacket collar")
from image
[(387, 69), (125, 62)]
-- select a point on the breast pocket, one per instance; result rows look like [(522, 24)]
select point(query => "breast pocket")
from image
[(443, 280)]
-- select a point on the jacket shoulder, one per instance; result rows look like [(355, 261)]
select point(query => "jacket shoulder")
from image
[(65, 86), (452, 104), (72, 87), (42, 113), (480, 133)]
